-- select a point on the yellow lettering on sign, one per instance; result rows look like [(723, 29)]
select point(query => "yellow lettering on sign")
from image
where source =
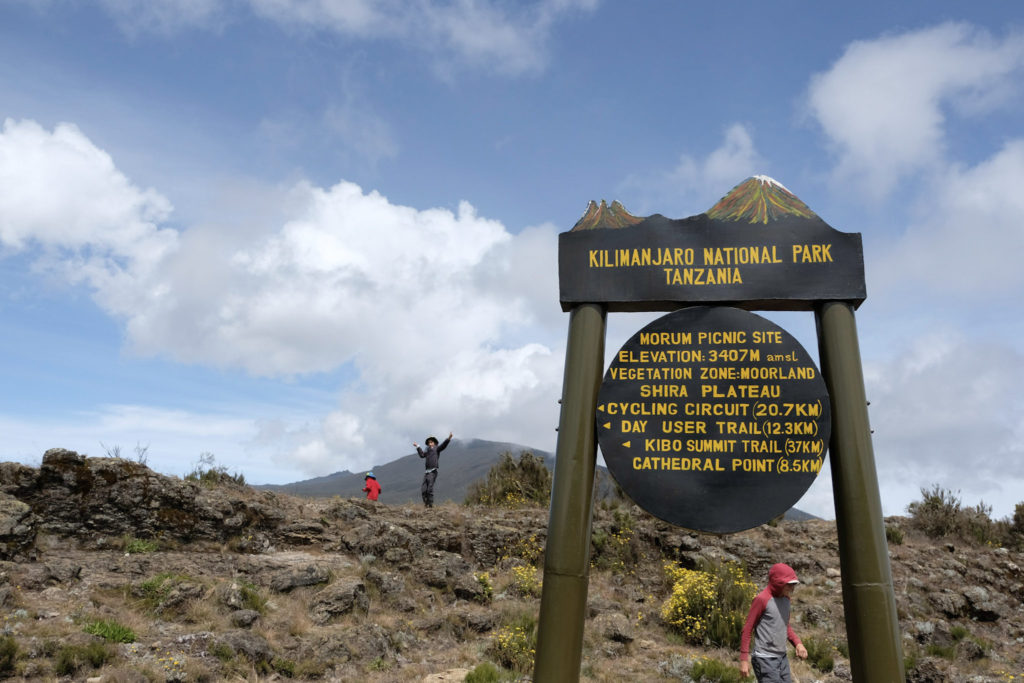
[(633, 426), (666, 464), (683, 427), (812, 253), (767, 336), (703, 276), (710, 445), (664, 391), (641, 409), (761, 447), (751, 465), (741, 391), (722, 337), (729, 256)]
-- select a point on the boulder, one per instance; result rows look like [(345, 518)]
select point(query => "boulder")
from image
[(249, 644), (310, 575), (17, 528), (615, 626), (339, 598)]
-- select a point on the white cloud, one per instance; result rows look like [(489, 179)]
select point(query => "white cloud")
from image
[(883, 104), (696, 182), (967, 237), (944, 407), (63, 194), (947, 410), (433, 309), (509, 38), (417, 301), (172, 439), (362, 130), (734, 161), (70, 194), (165, 16)]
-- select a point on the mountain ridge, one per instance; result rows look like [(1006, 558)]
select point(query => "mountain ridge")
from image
[(464, 462)]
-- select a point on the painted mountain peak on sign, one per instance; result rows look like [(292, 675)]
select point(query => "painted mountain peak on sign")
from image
[(759, 199), (605, 216)]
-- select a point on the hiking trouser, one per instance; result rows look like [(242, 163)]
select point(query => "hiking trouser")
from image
[(427, 489), (771, 669)]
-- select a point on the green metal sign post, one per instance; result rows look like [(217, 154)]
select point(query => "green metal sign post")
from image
[(567, 562), (872, 627)]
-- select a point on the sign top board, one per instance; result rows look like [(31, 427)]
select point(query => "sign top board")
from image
[(758, 248)]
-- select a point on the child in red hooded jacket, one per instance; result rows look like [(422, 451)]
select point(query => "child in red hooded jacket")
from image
[(371, 486), (768, 621)]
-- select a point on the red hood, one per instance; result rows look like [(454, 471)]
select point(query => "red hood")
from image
[(778, 576)]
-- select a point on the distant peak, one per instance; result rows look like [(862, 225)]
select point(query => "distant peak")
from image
[(604, 216), (759, 199)]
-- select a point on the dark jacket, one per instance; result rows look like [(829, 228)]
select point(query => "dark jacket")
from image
[(432, 453)]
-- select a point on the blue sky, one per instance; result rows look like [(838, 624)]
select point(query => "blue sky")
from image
[(301, 235)]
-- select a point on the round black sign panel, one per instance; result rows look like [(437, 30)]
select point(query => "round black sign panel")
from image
[(713, 419)]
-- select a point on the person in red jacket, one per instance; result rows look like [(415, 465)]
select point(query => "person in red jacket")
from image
[(372, 488), (768, 621)]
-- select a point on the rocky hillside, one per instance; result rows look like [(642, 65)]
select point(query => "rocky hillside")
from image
[(110, 572)]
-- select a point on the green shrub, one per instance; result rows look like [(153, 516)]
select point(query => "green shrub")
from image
[(708, 605), (614, 549), (525, 582), (136, 546), (380, 664), (515, 644), (154, 591), (513, 484), (486, 673), (208, 474), (843, 648), (8, 654), (976, 525), (284, 667), (714, 671), (222, 651), (71, 658), (819, 654), (894, 535), (984, 645), (937, 512), (110, 631), (486, 588), (958, 633), (940, 513), (909, 661), (251, 598), (310, 668), (944, 651), (49, 648)]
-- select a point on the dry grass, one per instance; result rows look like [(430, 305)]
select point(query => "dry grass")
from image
[(290, 613)]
